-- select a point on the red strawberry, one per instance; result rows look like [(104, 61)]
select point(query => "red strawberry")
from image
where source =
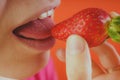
[(90, 23)]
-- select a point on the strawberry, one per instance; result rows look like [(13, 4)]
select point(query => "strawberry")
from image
[(90, 23)]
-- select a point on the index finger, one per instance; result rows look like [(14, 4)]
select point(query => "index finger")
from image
[(108, 55)]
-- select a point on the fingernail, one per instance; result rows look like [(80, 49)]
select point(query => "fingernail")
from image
[(75, 44), (114, 14)]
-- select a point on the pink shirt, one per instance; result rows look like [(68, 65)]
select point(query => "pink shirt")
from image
[(48, 73)]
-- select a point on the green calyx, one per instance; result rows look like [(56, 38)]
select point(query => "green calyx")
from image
[(114, 29)]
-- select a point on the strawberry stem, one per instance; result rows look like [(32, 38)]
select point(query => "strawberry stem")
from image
[(114, 29)]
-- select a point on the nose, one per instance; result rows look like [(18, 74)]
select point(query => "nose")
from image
[(2, 6), (55, 2)]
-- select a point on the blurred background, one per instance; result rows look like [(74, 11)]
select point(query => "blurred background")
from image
[(66, 10)]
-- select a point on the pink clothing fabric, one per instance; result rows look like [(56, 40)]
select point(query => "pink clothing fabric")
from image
[(48, 73)]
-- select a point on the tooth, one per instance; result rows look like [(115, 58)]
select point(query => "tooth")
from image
[(43, 15), (50, 12)]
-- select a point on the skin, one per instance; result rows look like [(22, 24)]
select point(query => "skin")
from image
[(15, 57)]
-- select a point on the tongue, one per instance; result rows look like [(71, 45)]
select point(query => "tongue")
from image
[(37, 29)]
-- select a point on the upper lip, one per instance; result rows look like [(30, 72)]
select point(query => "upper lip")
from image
[(41, 11), (35, 16)]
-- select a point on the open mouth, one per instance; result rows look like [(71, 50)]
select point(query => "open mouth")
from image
[(37, 33)]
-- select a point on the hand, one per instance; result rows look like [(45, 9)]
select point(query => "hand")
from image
[(80, 66)]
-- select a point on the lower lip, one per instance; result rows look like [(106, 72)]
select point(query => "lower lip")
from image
[(41, 45)]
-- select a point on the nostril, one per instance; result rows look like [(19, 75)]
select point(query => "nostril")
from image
[(51, 0)]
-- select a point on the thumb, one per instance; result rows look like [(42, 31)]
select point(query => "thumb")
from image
[(78, 61)]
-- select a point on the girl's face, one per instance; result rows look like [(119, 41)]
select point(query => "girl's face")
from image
[(21, 29), (25, 37)]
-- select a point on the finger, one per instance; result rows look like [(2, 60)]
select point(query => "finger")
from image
[(108, 55), (61, 54), (96, 69), (78, 61), (114, 14)]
